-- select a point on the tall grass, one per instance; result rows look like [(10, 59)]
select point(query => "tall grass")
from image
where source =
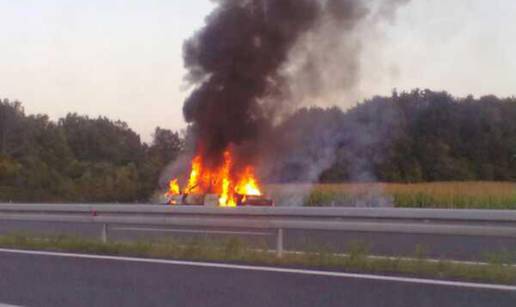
[(482, 195)]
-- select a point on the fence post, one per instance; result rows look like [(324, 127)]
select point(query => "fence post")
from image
[(104, 234), (279, 243)]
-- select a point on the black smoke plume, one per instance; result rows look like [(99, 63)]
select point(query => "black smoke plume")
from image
[(239, 63)]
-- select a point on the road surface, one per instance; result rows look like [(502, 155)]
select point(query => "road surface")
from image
[(55, 279)]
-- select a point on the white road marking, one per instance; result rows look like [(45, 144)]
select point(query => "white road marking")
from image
[(7, 305), (434, 260), (271, 269), (254, 233)]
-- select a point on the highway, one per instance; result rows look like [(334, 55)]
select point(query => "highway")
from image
[(469, 248), (56, 279)]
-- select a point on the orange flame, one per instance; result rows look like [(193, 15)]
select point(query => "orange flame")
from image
[(193, 180), (173, 187), (224, 181), (247, 184), (226, 198)]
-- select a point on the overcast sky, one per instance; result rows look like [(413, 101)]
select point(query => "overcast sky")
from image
[(122, 58)]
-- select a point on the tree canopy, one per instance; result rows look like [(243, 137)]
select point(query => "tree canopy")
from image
[(78, 158), (414, 136)]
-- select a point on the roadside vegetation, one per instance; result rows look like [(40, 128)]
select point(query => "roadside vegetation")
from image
[(408, 137), (458, 195), (499, 269), (78, 158)]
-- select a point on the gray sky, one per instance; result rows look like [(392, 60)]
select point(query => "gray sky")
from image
[(122, 58)]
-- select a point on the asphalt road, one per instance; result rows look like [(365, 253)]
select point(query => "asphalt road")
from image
[(388, 244), (58, 280)]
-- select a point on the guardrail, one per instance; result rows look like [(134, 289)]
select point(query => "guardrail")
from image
[(496, 223)]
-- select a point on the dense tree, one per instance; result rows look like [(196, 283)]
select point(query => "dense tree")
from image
[(11, 127), (101, 139), (164, 148), (414, 136), (78, 158)]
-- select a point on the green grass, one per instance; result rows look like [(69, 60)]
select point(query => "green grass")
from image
[(233, 250), (459, 195)]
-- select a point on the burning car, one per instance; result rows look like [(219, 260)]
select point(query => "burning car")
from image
[(223, 186), (212, 200)]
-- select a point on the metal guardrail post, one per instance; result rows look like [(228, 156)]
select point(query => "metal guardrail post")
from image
[(104, 234), (279, 243)]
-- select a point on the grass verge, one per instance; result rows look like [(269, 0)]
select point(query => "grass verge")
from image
[(235, 251), (457, 195)]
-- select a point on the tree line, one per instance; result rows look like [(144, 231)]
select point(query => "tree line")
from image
[(78, 158), (414, 136)]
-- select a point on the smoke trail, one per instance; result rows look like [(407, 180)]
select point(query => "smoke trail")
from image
[(325, 65), (233, 61), (253, 57)]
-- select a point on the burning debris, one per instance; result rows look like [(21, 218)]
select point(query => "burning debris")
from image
[(237, 65), (233, 188)]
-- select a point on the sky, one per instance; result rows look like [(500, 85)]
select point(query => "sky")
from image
[(123, 58)]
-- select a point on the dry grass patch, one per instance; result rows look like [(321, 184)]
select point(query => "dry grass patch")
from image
[(481, 195)]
